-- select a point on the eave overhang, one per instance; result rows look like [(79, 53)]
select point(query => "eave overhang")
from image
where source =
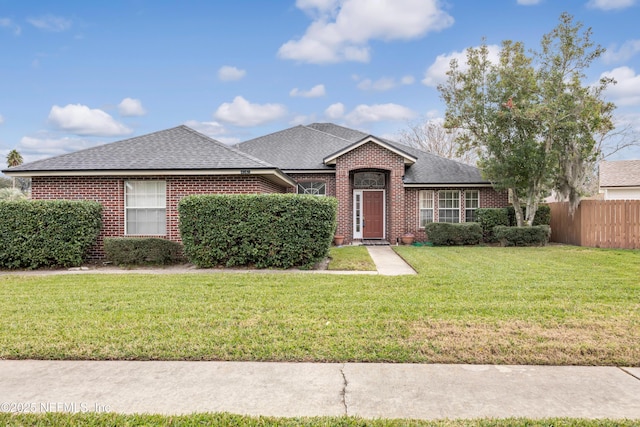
[(271, 174)]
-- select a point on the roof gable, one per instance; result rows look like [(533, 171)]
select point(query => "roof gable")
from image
[(408, 158)]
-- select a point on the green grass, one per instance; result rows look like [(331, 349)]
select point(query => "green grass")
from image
[(553, 305), (350, 258), (92, 419)]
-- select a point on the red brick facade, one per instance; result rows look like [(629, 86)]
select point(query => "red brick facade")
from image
[(109, 191), (401, 204)]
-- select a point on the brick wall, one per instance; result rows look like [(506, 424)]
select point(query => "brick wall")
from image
[(489, 198), (109, 191), (371, 156)]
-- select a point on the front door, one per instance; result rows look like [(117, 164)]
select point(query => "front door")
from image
[(373, 214)]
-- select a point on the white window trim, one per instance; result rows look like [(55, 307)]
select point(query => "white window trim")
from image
[(465, 202), (312, 182), (420, 209), (126, 208), (450, 209)]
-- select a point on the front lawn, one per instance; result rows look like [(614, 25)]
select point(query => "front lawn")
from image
[(350, 258), (553, 305), (93, 419)]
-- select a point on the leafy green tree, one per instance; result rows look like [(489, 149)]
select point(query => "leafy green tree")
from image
[(533, 121), (14, 158), (5, 182)]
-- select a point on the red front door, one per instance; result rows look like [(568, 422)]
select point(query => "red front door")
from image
[(373, 214)]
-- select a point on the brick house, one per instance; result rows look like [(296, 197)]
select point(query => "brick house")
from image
[(384, 189)]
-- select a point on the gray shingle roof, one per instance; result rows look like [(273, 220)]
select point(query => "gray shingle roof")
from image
[(178, 148), (304, 147), (620, 173), (296, 148)]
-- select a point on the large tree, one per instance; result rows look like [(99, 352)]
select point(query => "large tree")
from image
[(14, 158), (530, 116), (430, 135)]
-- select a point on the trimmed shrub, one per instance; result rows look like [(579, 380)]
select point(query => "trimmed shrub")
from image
[(142, 250), (543, 215), (266, 231), (488, 219), (47, 233), (537, 235), (448, 234)]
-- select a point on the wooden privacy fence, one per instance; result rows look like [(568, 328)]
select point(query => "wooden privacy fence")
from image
[(597, 223)]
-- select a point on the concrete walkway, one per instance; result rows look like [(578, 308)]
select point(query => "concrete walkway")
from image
[(307, 389), (389, 263)]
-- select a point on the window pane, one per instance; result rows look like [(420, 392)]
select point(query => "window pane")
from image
[(145, 206), (449, 206), (425, 207), (315, 188), (471, 202)]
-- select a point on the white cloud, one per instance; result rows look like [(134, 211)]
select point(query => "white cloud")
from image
[(44, 145), (52, 23), (407, 80), (610, 4), (241, 112), (322, 6), (335, 111), (82, 120), (302, 119), (228, 73), (384, 83), (214, 130), (627, 89), (378, 112), (10, 25), (342, 30), (1, 119), (528, 2), (437, 72), (625, 52), (315, 92), (130, 107)]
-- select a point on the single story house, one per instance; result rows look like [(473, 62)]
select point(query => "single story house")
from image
[(384, 189), (620, 179)]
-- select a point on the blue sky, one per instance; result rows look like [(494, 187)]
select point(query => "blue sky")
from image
[(76, 74)]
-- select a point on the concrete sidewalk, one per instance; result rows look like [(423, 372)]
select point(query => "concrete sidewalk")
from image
[(309, 389), (389, 263)]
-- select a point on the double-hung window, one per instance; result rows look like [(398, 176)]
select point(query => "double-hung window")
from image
[(425, 207), (471, 203), (145, 208), (313, 187), (449, 206)]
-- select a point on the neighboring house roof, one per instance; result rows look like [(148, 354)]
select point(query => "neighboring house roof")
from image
[(620, 173)]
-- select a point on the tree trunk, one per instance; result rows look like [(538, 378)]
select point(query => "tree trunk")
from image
[(515, 201)]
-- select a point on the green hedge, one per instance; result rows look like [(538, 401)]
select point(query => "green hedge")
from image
[(447, 234), (142, 250), (47, 233), (543, 215), (265, 231), (537, 235), (488, 218)]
